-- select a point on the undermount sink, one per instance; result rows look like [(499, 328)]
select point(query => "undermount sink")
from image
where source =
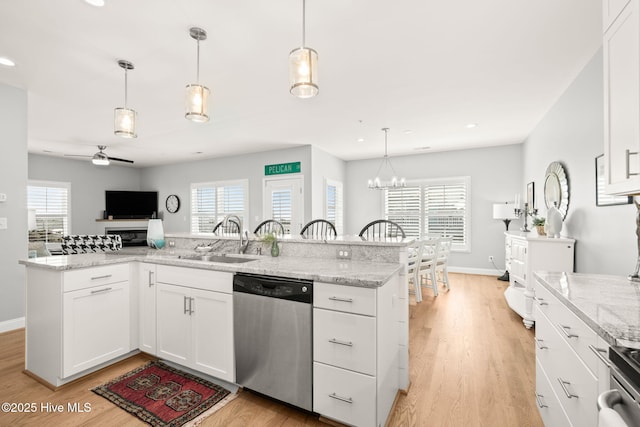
[(217, 258)]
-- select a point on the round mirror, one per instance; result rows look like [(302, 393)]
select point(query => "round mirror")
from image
[(556, 188)]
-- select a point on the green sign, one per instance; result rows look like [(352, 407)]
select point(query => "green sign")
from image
[(282, 168)]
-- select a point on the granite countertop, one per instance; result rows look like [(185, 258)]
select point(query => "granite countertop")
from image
[(338, 240), (345, 272), (610, 305)]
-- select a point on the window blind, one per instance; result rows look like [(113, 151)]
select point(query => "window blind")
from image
[(212, 201), (50, 202), (334, 204), (281, 208)]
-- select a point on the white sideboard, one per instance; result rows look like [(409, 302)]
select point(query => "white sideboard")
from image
[(526, 253)]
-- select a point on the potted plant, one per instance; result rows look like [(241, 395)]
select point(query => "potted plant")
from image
[(271, 239), (538, 221)]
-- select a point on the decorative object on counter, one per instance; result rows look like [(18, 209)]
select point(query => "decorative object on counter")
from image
[(539, 222), (197, 96), (319, 229), (303, 67), (172, 203), (556, 188), (85, 243), (382, 229), (531, 194), (635, 276), (526, 212), (505, 212), (269, 226), (271, 239), (124, 119), (603, 199), (389, 178), (554, 222), (161, 395), (155, 234)]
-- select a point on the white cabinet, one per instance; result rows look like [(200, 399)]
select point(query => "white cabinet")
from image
[(528, 252), (621, 50), (356, 352), (195, 319), (147, 307), (571, 365), (77, 320)]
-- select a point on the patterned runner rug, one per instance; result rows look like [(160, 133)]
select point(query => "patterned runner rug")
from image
[(164, 396)]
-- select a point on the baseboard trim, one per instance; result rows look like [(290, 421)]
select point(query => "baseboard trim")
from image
[(480, 271), (12, 324)]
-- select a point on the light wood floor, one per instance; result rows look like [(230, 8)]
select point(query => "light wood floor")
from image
[(472, 364)]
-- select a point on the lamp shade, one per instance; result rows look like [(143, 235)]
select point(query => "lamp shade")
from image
[(197, 103), (504, 211), (303, 72)]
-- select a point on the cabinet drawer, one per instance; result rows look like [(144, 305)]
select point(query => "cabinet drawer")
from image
[(345, 396), (344, 340), (349, 299), (548, 404), (207, 280), (95, 276)]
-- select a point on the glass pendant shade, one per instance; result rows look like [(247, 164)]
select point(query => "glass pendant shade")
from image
[(196, 103), (124, 122), (303, 72)]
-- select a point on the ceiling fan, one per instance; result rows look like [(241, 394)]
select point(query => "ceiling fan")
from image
[(101, 158)]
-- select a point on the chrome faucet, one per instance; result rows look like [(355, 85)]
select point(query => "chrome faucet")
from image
[(244, 236)]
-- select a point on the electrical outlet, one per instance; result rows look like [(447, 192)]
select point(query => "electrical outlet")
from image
[(343, 253), (490, 258)]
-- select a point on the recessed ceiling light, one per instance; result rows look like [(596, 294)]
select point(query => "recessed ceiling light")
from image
[(426, 147), (407, 131), (7, 62), (360, 139), (471, 125), (96, 3)]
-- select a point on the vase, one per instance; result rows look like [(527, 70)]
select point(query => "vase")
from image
[(540, 230), (554, 222), (155, 234), (275, 249)]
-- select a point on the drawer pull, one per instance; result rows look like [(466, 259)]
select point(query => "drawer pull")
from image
[(567, 333), (564, 384), (341, 299), (340, 398), (191, 310), (184, 304), (151, 278), (539, 402), (628, 153), (345, 343), (106, 276), (99, 291), (598, 352), (540, 345), (540, 301)]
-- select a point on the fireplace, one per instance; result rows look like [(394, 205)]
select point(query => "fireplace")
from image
[(130, 236)]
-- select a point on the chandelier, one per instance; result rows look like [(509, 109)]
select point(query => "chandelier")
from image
[(386, 176)]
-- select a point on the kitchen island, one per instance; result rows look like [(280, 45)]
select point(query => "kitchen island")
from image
[(88, 311)]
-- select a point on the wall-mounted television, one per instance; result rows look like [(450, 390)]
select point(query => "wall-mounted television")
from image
[(131, 204)]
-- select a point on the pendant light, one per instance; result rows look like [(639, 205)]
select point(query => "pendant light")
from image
[(124, 121), (303, 67), (386, 176), (197, 95)]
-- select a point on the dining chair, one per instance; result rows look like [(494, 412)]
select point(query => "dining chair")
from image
[(230, 228), (269, 226), (381, 229), (444, 251), (319, 229), (427, 267), (414, 251)]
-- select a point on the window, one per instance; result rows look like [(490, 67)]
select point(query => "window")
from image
[(212, 201), (434, 207), (281, 208), (49, 204), (333, 204)]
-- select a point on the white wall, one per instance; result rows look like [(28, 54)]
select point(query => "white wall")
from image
[(176, 179), (572, 133), (88, 185), (495, 177), (324, 166), (13, 183)]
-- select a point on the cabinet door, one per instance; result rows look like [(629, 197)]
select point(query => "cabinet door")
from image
[(621, 46), (147, 307), (518, 270), (174, 323), (95, 326), (212, 334)]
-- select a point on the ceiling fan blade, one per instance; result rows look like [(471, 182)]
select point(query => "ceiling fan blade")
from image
[(76, 155), (116, 159)]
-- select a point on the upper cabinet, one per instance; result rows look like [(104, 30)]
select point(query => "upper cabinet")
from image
[(621, 47)]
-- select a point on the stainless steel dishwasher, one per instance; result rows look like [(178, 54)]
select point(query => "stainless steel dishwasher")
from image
[(272, 330)]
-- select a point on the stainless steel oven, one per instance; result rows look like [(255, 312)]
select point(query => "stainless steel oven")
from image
[(620, 406)]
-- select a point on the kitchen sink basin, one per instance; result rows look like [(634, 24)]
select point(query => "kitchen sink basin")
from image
[(217, 258)]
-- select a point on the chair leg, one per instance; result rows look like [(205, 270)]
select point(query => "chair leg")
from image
[(434, 281), (445, 277), (417, 287)]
